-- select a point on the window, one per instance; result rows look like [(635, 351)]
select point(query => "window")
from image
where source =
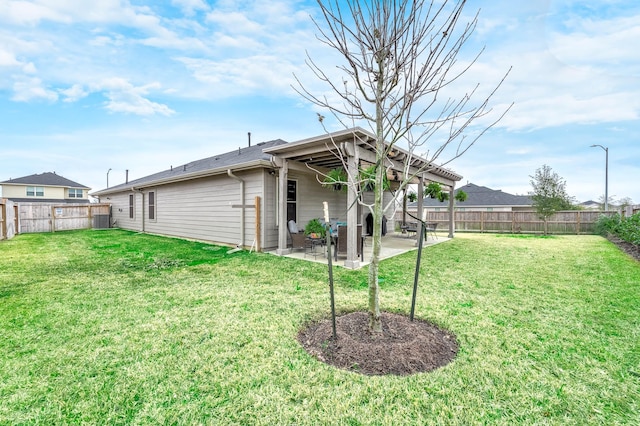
[(75, 193), (292, 195), (35, 191), (131, 199), (152, 205)]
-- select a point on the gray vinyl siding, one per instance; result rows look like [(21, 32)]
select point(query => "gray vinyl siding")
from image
[(120, 210), (199, 209), (269, 212), (312, 194), (202, 209)]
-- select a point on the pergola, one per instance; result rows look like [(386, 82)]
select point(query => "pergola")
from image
[(351, 147)]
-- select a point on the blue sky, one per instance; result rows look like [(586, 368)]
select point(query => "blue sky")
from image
[(143, 85)]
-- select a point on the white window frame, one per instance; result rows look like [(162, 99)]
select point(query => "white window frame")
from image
[(73, 193), (36, 191)]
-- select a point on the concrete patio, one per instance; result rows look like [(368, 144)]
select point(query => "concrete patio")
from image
[(393, 244)]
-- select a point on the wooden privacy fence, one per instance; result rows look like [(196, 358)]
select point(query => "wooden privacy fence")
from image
[(42, 217), (564, 222), (8, 219), (631, 210)]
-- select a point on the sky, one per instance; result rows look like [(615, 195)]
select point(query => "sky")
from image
[(92, 89)]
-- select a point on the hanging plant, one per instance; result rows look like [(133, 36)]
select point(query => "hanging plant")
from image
[(367, 178), (434, 190), (335, 179), (412, 196), (461, 196)]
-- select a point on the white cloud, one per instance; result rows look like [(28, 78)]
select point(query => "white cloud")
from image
[(126, 98), (8, 59), (28, 89), (190, 7), (605, 44), (225, 78), (28, 13), (234, 22), (586, 72), (74, 93)]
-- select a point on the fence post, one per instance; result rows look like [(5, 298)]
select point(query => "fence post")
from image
[(3, 220)]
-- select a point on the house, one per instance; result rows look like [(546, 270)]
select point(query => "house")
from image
[(591, 205), (246, 197), (46, 187), (481, 198)]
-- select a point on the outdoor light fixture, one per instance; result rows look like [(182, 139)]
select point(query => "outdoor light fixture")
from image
[(108, 177), (606, 176)]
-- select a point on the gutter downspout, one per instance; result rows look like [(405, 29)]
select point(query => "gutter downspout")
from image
[(231, 175)]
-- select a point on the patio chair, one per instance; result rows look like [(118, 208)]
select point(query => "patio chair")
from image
[(430, 228), (410, 228), (298, 239)]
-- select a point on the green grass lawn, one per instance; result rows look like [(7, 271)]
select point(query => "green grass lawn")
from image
[(113, 327)]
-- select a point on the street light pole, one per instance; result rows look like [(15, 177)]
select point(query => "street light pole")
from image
[(606, 176), (108, 177)]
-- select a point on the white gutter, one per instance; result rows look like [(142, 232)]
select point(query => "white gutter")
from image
[(183, 177), (230, 173)]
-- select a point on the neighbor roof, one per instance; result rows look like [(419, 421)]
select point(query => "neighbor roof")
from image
[(483, 196), (45, 179), (247, 156)]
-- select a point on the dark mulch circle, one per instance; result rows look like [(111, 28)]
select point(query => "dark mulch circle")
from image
[(631, 249), (404, 347)]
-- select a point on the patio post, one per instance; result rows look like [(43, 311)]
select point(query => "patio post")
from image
[(352, 261), (282, 208), (452, 212)]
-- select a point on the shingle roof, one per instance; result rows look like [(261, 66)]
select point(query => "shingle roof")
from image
[(233, 158), (483, 196), (46, 179)]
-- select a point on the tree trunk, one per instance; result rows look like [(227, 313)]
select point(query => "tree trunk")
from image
[(375, 322)]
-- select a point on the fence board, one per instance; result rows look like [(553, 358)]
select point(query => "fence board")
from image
[(43, 217), (564, 222)]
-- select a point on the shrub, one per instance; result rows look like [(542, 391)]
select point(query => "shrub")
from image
[(607, 224), (627, 229)]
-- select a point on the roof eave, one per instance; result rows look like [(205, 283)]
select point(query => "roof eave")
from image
[(358, 131), (184, 177)]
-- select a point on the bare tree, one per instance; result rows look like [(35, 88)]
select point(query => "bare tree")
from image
[(399, 57)]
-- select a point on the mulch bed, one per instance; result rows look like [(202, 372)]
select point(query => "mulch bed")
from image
[(631, 249), (404, 347)]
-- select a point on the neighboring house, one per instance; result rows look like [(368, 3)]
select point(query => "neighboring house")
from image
[(591, 205), (44, 188), (214, 199), (480, 198)]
